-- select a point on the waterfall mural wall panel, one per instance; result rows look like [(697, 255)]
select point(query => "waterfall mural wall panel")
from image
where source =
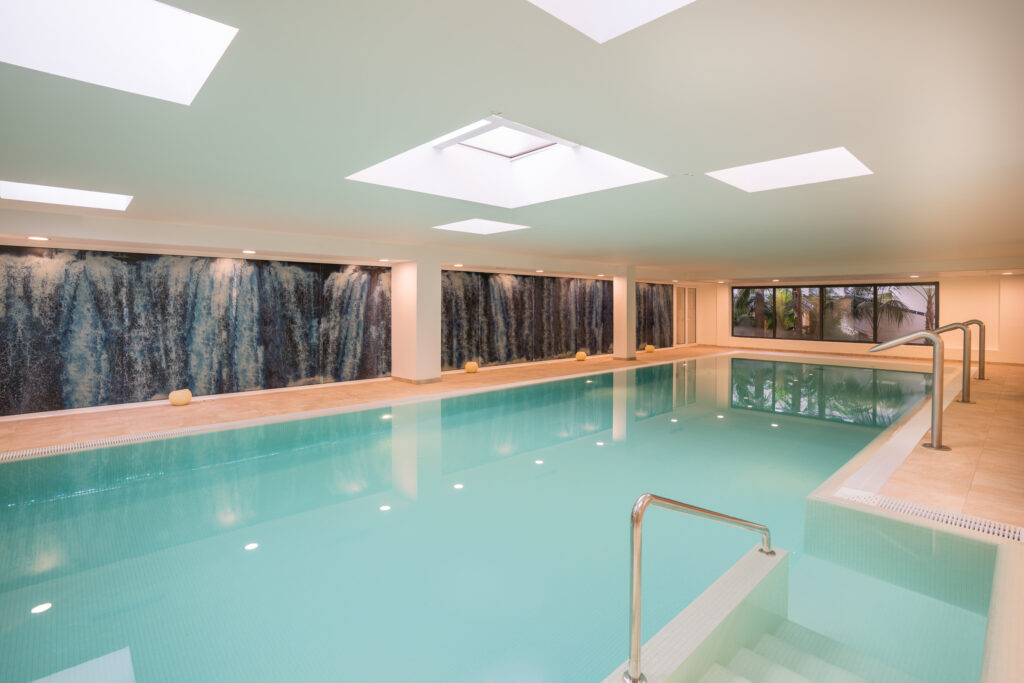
[(495, 318), (653, 315), (86, 328)]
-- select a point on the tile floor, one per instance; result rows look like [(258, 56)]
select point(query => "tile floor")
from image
[(983, 474)]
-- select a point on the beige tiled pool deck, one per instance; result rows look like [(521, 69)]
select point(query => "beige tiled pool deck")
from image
[(983, 474)]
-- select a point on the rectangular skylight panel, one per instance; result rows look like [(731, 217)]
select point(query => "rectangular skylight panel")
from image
[(138, 46), (481, 226), (507, 142), (802, 169), (45, 194)]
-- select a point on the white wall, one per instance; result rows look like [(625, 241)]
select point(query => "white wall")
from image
[(997, 300)]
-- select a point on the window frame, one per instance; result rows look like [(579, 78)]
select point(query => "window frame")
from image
[(821, 309)]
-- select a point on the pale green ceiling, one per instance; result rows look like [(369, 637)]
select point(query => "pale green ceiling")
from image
[(929, 94)]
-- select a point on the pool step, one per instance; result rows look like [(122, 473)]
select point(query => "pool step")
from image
[(840, 655), (719, 674), (795, 654), (802, 662), (759, 669)]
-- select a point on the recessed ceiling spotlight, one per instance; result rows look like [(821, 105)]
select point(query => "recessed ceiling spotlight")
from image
[(248, 251), (603, 20), (802, 169), (600, 443), (383, 260), (40, 608), (384, 508), (720, 417), (1008, 273), (602, 274), (538, 462), (674, 419), (915, 276), (457, 265), (147, 48), (251, 546), (46, 194), (503, 163), (386, 416), (774, 424), (675, 281), (721, 282), (457, 486), (481, 226), (36, 238), (540, 271), (774, 280)]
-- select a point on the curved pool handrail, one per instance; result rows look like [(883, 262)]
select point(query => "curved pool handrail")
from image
[(981, 345), (965, 390), (938, 350), (632, 673)]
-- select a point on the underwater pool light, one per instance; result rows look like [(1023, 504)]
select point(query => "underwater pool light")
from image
[(251, 546), (39, 609)]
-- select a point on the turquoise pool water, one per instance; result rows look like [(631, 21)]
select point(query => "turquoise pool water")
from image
[(474, 538)]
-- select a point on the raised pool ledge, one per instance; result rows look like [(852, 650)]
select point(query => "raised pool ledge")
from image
[(749, 599)]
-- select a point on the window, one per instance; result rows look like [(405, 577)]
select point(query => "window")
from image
[(753, 311), (903, 309), (849, 314), (797, 314), (843, 313)]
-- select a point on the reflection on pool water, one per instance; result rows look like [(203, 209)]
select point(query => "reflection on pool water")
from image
[(475, 538)]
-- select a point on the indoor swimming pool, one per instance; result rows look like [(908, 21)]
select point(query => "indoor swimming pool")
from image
[(481, 537)]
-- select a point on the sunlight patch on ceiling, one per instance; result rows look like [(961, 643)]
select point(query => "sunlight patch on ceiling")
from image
[(510, 165), (138, 46), (602, 20), (481, 226), (802, 169), (46, 194)]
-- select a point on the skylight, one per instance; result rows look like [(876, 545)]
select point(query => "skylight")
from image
[(45, 194), (481, 226), (603, 20), (521, 166), (802, 169), (507, 142), (138, 46)]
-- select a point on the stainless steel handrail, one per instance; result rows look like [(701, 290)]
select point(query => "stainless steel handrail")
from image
[(965, 387), (632, 673), (937, 355), (981, 345)]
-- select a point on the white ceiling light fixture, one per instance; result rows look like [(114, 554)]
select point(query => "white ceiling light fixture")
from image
[(138, 46), (803, 169), (503, 163), (481, 226), (38, 238), (602, 20), (45, 194)]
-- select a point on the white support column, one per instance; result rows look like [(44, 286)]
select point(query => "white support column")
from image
[(624, 314), (416, 321)]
